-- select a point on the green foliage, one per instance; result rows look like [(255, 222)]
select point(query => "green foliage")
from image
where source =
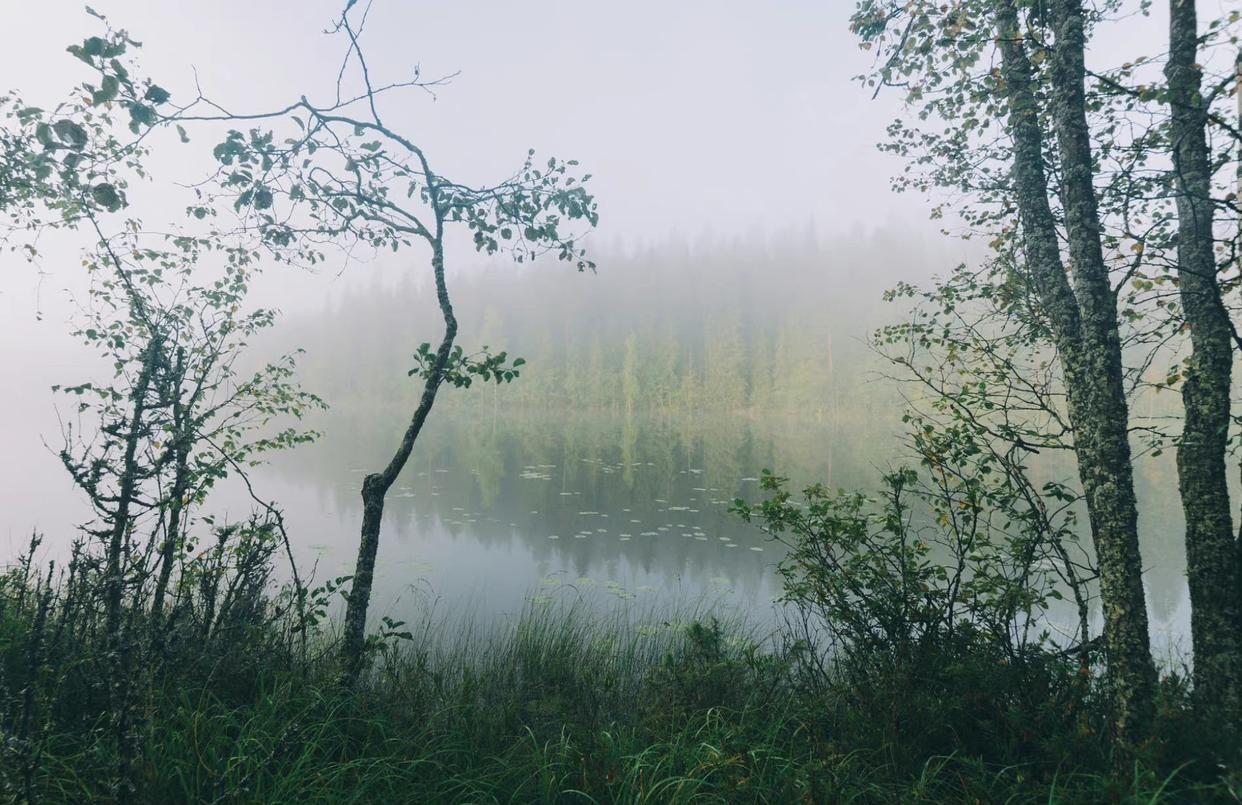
[(708, 667), (891, 591), (957, 148), (462, 369), (63, 165), (554, 708), (176, 394), (930, 606), (296, 196)]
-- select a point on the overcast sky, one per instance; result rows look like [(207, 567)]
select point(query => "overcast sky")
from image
[(721, 114)]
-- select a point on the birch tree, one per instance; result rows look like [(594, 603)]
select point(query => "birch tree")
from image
[(1065, 168)]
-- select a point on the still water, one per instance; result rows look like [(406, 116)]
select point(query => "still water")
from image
[(497, 513)]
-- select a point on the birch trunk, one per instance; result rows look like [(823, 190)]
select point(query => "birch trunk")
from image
[(1083, 319), (1211, 553)]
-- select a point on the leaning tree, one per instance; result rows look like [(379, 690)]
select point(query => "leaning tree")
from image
[(296, 183), (311, 176)]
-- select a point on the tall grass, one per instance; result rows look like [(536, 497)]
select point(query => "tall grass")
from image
[(563, 704)]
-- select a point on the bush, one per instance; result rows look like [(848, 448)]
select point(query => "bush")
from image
[(920, 622)]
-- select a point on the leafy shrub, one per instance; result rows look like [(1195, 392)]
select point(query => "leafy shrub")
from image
[(923, 610)]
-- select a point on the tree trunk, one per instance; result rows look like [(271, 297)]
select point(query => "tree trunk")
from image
[(1211, 553), (120, 686), (1083, 319), (376, 485), (1108, 476), (126, 492), (183, 434)]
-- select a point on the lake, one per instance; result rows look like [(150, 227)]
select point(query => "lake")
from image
[(495, 513)]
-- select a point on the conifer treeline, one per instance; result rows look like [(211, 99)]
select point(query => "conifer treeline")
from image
[(777, 325)]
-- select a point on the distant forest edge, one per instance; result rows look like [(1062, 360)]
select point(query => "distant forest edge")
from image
[(747, 324)]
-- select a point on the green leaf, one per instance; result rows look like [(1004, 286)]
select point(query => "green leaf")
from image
[(70, 132), (107, 91), (141, 115), (157, 94), (106, 196), (93, 46)]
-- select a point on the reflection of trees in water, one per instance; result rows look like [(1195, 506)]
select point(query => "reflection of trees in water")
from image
[(474, 464), (532, 476)]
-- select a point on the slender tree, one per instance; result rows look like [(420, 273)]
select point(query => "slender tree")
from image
[(343, 178), (1015, 105), (1092, 351), (1212, 561)]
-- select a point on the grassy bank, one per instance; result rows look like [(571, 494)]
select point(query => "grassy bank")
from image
[(559, 706)]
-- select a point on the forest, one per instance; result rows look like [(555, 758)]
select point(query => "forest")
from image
[(710, 340), (377, 468)]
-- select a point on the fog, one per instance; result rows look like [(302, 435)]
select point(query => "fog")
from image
[(699, 120), (535, 400), (742, 198)]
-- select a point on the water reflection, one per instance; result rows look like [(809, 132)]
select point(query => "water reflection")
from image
[(494, 511), (491, 511)]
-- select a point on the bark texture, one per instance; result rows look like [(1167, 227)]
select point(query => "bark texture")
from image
[(1211, 554), (1083, 319)]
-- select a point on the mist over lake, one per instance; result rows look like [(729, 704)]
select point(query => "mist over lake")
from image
[(696, 402)]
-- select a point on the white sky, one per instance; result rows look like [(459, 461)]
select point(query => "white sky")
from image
[(721, 114)]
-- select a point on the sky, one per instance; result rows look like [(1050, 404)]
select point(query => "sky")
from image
[(695, 115), (697, 118)]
